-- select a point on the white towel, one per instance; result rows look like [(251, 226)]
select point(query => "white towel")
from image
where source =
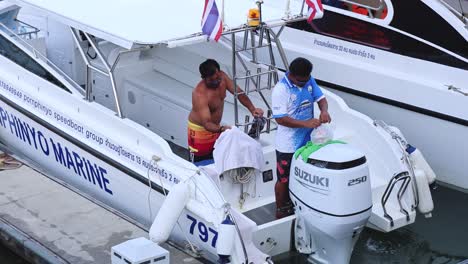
[(247, 228), (235, 149)]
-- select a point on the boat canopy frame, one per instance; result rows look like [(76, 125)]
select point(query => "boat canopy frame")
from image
[(109, 69), (155, 21), (258, 34), (265, 29), (41, 58)]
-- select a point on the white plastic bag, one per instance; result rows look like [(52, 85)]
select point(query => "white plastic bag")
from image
[(322, 134)]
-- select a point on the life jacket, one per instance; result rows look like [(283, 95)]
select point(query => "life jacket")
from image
[(359, 10), (363, 11), (384, 13)]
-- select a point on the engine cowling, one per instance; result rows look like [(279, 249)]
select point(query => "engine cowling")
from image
[(331, 191)]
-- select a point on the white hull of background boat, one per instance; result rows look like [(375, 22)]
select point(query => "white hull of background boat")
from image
[(412, 94)]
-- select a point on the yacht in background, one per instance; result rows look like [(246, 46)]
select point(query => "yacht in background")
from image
[(403, 61)]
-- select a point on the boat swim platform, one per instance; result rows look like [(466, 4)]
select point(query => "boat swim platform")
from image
[(45, 222)]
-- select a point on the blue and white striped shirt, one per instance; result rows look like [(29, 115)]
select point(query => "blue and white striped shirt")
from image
[(297, 103)]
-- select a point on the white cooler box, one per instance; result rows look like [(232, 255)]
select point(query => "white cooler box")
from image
[(139, 251)]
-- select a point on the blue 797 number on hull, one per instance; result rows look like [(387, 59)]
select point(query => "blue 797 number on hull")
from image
[(204, 232)]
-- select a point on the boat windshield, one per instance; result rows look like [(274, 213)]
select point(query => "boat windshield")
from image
[(370, 8), (433, 28)]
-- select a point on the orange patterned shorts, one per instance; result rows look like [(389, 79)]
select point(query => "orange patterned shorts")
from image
[(201, 142)]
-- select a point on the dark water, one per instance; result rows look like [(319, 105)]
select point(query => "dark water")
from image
[(8, 257), (442, 239)]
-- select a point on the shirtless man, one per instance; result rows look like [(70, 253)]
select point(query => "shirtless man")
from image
[(204, 124)]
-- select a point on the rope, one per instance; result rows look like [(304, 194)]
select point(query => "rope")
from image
[(241, 175), (149, 193), (156, 159)]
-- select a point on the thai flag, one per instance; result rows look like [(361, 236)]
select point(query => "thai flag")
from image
[(315, 9), (211, 21)]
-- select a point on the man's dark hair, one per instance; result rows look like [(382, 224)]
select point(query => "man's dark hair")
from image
[(300, 67), (208, 68)]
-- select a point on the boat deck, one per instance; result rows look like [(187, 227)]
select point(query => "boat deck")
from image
[(45, 222)]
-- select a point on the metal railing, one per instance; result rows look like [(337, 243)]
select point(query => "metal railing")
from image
[(405, 178), (368, 7), (27, 34), (255, 38), (108, 71), (403, 145), (39, 56), (261, 37)]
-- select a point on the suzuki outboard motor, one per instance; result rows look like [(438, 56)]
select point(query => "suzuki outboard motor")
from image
[(331, 191)]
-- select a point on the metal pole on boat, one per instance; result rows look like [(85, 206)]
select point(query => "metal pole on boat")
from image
[(89, 85), (233, 43), (88, 69), (302, 8), (463, 14), (259, 4), (108, 68), (279, 46), (222, 11), (287, 12)]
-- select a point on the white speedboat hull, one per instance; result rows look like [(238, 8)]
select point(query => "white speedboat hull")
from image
[(443, 142), (98, 175)]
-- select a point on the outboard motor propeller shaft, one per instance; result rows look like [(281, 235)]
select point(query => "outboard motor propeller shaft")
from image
[(331, 192)]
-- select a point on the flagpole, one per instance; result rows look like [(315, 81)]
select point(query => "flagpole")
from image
[(302, 8), (222, 11)]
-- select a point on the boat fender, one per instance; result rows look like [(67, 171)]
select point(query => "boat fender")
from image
[(169, 212), (226, 238), (419, 162), (426, 204)]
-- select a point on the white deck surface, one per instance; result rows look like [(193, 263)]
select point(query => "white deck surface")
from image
[(65, 223)]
